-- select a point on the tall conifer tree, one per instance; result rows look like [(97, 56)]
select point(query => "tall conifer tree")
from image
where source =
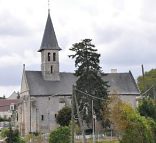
[(89, 80)]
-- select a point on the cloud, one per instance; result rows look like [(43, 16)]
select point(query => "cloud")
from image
[(28, 58), (12, 26), (123, 31), (132, 48), (10, 76), (149, 11), (7, 91)]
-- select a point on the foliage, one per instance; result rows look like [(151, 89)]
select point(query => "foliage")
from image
[(4, 119), (64, 116), (60, 135), (118, 110), (89, 79), (138, 127), (147, 108), (148, 81), (4, 132), (113, 141), (34, 137), (12, 135), (130, 124)]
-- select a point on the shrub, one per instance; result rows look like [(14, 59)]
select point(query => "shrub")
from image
[(12, 135), (60, 135), (64, 116)]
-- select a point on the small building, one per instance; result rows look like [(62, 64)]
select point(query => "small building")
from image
[(43, 93), (6, 107), (8, 112)]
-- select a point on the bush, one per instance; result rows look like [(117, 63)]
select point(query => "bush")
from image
[(12, 135), (60, 135), (64, 116), (140, 128), (132, 127), (4, 132)]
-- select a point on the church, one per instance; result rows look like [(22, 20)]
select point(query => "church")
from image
[(43, 93)]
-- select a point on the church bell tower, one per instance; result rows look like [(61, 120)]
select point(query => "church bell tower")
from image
[(49, 53)]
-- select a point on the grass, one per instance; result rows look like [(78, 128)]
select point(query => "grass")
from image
[(103, 142), (109, 142)]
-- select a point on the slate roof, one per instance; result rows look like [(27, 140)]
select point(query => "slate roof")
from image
[(120, 83), (5, 104), (49, 40)]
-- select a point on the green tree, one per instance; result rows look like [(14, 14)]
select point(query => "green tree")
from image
[(89, 79), (147, 82), (64, 116), (132, 127), (147, 108), (60, 135), (11, 135)]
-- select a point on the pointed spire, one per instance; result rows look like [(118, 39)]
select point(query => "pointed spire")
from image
[(49, 40)]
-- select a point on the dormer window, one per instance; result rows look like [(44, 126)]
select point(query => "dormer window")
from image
[(48, 56), (54, 56)]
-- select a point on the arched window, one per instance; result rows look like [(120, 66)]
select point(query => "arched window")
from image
[(48, 56), (51, 69), (54, 56)]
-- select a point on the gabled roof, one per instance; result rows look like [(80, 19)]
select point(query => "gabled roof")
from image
[(49, 40), (39, 86), (120, 83), (5, 104), (13, 95)]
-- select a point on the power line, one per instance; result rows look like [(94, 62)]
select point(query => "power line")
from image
[(90, 95), (147, 90)]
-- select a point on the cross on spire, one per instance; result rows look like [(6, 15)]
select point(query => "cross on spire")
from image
[(48, 6)]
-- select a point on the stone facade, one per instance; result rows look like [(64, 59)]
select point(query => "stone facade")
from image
[(130, 99), (50, 64)]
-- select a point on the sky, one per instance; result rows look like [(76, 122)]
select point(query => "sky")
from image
[(123, 31)]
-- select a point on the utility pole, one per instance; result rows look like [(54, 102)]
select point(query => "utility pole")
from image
[(143, 75), (79, 117), (72, 117), (93, 120)]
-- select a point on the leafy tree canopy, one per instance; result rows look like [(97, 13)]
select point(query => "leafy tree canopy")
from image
[(132, 127), (64, 116), (89, 76), (147, 108), (148, 81)]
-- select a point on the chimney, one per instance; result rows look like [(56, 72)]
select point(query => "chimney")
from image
[(113, 70)]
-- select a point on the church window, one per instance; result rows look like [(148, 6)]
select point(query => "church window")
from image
[(55, 115), (51, 69), (54, 56), (48, 56), (42, 117), (17, 116)]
